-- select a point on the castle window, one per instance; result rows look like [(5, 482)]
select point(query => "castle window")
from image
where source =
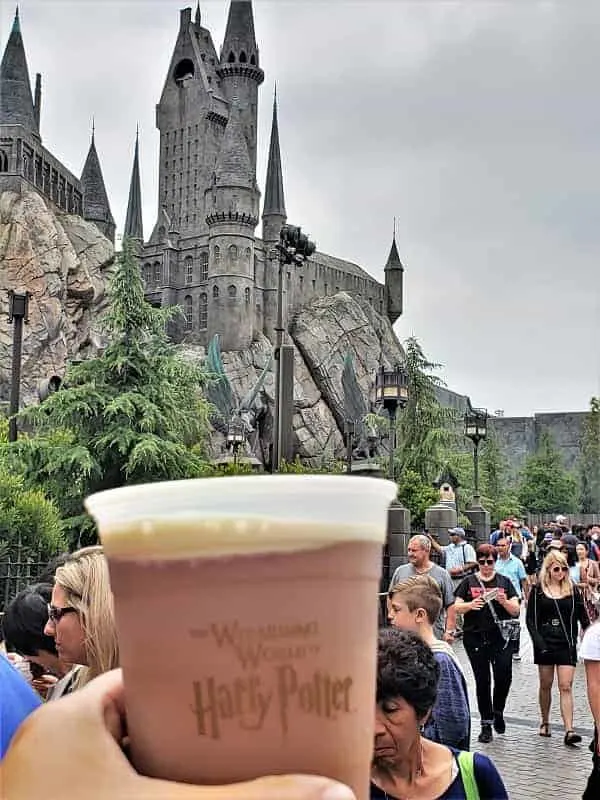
[(189, 268), (381, 306), (253, 60), (204, 266), (215, 292), (217, 254), (147, 274), (157, 272), (203, 56), (232, 290), (188, 311), (370, 301), (203, 312), (289, 276), (233, 252), (301, 280), (209, 79), (184, 71), (337, 288), (247, 255), (243, 58), (314, 286), (3, 161), (247, 295), (325, 290), (230, 58)]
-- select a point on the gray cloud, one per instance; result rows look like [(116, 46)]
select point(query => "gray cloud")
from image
[(476, 124)]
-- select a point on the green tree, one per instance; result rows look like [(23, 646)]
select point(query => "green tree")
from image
[(545, 485), (135, 414), (426, 429), (416, 495), (589, 465)]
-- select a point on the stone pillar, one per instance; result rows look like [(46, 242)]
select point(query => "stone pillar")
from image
[(398, 534), (480, 520), (439, 518)]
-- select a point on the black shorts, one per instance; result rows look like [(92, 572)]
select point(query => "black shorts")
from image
[(563, 657)]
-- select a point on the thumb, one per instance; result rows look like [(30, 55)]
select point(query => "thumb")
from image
[(284, 787)]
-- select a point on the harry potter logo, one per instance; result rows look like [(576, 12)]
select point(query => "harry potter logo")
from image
[(247, 700)]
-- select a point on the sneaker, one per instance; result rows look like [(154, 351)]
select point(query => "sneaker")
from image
[(499, 724), (516, 657), (485, 737)]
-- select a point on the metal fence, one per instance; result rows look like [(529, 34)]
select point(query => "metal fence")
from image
[(16, 573), (573, 519)]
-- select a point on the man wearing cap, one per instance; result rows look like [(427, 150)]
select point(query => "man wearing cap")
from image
[(459, 556)]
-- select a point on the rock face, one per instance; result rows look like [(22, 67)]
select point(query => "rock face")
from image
[(63, 261)]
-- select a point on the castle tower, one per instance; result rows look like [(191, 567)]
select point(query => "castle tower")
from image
[(239, 69), (96, 207), (232, 219), (191, 117), (134, 228), (394, 281), (274, 218), (16, 100)]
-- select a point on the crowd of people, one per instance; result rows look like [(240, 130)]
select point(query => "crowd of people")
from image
[(61, 638)]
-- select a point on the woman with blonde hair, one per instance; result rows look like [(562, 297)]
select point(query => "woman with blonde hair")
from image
[(81, 616), (554, 611)]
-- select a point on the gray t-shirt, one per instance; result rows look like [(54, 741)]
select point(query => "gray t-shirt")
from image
[(444, 581)]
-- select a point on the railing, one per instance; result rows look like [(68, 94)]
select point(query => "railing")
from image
[(17, 572)]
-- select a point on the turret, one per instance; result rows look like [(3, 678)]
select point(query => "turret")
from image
[(134, 228), (239, 69), (394, 280), (16, 101), (96, 207), (232, 204)]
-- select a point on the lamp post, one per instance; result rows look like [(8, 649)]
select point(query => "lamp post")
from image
[(235, 436), (18, 309), (349, 431), (476, 431), (294, 247), (391, 389)]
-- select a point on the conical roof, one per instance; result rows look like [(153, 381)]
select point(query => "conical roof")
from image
[(240, 26), (274, 197), (95, 199), (16, 100), (134, 228), (233, 164), (393, 261)]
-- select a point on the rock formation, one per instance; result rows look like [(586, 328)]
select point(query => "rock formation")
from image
[(64, 262)]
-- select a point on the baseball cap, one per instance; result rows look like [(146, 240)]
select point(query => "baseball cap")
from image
[(457, 532), (548, 537)]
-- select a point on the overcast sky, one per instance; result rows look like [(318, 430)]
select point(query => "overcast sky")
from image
[(476, 124)]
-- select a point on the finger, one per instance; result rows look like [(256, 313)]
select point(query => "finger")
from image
[(284, 787)]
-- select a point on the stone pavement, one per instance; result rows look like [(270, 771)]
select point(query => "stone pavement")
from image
[(534, 768)]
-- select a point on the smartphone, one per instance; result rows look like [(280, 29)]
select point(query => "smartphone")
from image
[(491, 595)]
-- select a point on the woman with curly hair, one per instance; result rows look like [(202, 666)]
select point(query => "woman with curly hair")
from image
[(404, 763), (555, 609)]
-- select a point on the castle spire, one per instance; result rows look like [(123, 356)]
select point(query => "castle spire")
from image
[(133, 221), (16, 100), (96, 207), (198, 18), (233, 166), (240, 37), (394, 282), (274, 197)]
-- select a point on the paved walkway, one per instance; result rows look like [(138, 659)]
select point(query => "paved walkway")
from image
[(535, 768)]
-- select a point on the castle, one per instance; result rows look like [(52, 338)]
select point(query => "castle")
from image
[(203, 253)]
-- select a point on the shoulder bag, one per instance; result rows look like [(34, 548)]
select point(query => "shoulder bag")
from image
[(466, 767), (509, 628)]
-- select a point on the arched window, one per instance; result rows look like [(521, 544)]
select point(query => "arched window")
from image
[(253, 60), (157, 272), (147, 274), (233, 252), (243, 58), (204, 266), (230, 58), (215, 292), (232, 290), (188, 311), (203, 312), (217, 254), (247, 295), (3, 161), (247, 255), (189, 270)]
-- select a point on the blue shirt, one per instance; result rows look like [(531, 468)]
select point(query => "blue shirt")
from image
[(450, 720), (17, 701), (513, 569)]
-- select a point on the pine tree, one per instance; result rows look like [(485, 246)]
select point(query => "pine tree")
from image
[(546, 487), (589, 465), (135, 414)]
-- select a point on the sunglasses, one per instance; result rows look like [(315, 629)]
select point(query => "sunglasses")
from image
[(486, 560), (559, 569), (55, 614)]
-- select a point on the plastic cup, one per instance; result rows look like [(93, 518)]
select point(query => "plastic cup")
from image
[(246, 610)]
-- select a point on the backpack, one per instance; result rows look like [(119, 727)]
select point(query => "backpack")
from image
[(466, 768)]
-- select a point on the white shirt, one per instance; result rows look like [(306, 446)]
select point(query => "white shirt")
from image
[(590, 646)]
